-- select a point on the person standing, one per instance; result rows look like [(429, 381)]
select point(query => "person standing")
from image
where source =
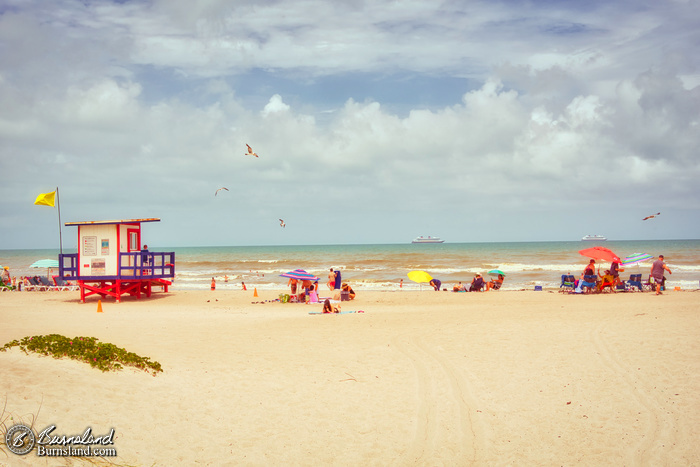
[(6, 275), (657, 272), (615, 272), (331, 280)]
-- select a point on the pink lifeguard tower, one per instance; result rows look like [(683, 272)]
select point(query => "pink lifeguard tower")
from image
[(110, 261)]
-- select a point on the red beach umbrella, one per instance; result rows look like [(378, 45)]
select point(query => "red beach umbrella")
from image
[(601, 253)]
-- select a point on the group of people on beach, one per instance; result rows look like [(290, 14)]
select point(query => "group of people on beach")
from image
[(311, 290), (591, 281), (28, 283), (477, 284)]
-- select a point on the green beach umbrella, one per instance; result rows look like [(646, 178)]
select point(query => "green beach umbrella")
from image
[(496, 272), (45, 263)]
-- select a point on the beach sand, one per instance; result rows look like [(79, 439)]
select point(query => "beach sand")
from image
[(419, 378)]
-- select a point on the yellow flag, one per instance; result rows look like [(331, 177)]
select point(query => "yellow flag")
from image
[(46, 199)]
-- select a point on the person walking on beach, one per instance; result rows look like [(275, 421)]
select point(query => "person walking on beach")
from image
[(657, 272)]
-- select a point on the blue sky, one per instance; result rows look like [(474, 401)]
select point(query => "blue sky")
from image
[(375, 122)]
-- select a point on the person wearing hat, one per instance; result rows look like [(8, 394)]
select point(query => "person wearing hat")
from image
[(657, 272), (477, 283)]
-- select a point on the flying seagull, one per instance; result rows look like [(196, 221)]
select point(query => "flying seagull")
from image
[(282, 224), (652, 216), (250, 151), (222, 188)]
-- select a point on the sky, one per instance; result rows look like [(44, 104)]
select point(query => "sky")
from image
[(374, 121)]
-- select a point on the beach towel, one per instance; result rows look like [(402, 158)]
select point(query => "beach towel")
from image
[(337, 280), (341, 313)]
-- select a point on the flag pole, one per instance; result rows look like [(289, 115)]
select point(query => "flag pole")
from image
[(60, 232)]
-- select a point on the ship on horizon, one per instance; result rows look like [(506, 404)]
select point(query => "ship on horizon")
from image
[(427, 239), (593, 238)]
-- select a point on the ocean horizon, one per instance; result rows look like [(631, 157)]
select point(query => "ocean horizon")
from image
[(384, 266)]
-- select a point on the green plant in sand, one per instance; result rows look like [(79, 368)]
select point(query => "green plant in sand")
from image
[(103, 356)]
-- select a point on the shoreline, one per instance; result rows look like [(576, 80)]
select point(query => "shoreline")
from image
[(501, 377)]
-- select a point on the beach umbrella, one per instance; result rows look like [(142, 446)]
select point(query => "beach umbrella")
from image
[(301, 275), (45, 263), (634, 259), (495, 272), (601, 253), (419, 276)]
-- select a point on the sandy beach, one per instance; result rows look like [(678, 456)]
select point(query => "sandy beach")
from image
[(418, 378)]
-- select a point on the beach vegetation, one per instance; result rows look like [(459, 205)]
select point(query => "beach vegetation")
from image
[(101, 355)]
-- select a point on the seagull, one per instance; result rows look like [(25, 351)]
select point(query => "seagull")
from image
[(250, 151), (282, 224), (652, 216), (222, 188)]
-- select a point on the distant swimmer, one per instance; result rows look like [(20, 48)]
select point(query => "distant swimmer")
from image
[(652, 216), (250, 151), (282, 224), (222, 188)]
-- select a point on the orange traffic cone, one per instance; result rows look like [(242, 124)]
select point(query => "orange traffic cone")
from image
[(255, 292), (99, 306)]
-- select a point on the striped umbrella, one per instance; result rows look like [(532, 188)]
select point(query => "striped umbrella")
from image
[(634, 259), (301, 275)]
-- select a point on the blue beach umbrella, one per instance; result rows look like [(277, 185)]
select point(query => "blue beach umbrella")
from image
[(300, 274), (495, 272)]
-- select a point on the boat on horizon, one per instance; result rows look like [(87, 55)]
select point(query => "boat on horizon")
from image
[(427, 239), (593, 238)]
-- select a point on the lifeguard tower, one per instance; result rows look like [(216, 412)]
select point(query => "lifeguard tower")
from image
[(110, 262)]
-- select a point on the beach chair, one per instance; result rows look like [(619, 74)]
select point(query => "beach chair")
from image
[(568, 283), (605, 287), (63, 286), (44, 282), (589, 282), (635, 281), (478, 285), (36, 285), (650, 286)]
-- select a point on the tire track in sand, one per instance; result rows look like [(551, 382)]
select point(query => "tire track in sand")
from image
[(447, 427), (639, 453)]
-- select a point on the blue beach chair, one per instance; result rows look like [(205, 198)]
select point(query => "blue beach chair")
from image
[(635, 282), (589, 282), (568, 283)]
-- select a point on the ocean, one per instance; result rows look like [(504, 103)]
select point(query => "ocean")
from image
[(381, 267)]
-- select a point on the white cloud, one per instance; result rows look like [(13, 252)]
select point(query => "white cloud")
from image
[(144, 108)]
